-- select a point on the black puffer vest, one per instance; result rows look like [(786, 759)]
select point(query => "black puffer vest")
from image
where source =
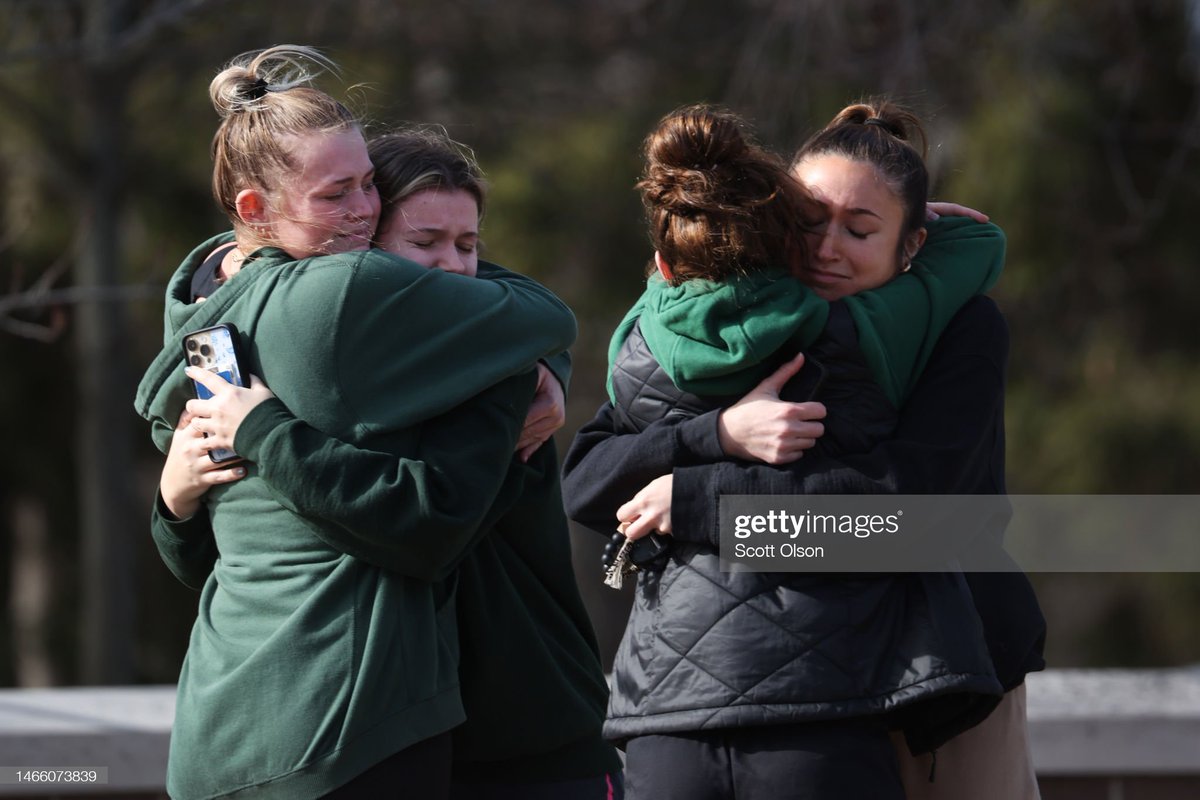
[(710, 649)]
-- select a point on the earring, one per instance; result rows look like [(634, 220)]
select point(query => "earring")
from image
[(907, 265)]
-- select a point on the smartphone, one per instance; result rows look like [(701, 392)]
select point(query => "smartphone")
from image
[(217, 349), (806, 384)]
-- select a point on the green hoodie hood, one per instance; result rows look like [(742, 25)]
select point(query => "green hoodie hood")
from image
[(723, 338)]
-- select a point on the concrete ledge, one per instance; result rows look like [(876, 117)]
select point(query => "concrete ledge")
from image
[(1109, 722), (1087, 724), (126, 729)]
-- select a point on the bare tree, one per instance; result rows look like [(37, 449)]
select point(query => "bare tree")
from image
[(94, 49)]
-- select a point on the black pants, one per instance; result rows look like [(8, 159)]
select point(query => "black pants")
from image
[(419, 772), (605, 787), (828, 760)]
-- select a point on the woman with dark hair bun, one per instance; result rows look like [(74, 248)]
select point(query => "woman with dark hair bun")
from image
[(717, 204), (950, 441), (731, 685), (732, 228)]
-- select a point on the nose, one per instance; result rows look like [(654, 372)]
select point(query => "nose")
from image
[(448, 260), (365, 205), (825, 249)]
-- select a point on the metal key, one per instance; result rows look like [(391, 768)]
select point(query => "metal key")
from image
[(614, 576)]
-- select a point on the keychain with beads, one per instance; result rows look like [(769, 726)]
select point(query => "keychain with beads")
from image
[(614, 576)]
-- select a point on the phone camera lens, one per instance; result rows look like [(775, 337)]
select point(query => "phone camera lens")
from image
[(205, 350), (195, 361), (191, 345)]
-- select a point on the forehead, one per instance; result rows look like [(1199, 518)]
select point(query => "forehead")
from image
[(322, 157), (441, 208), (843, 183)]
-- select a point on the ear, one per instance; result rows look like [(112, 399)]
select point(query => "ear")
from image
[(251, 206), (914, 243), (664, 268)]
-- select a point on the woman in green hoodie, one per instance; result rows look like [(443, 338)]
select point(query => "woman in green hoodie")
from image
[(531, 679), (312, 671)]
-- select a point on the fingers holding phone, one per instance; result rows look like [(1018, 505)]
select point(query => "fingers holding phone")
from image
[(218, 351), (219, 416)]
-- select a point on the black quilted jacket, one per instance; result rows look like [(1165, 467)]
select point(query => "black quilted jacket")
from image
[(710, 649)]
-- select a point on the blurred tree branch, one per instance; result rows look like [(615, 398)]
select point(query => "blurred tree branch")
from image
[(41, 31), (71, 67), (34, 297), (55, 298)]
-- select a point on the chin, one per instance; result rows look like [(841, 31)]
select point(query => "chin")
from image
[(826, 293)]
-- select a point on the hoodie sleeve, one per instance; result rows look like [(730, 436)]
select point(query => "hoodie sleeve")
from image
[(186, 546), (900, 323), (603, 469), (415, 511), (413, 342)]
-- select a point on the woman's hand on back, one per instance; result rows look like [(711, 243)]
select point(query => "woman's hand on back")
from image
[(189, 472), (547, 413), (936, 210), (761, 427)]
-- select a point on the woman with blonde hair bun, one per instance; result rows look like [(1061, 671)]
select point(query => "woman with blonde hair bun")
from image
[(530, 677), (323, 660)]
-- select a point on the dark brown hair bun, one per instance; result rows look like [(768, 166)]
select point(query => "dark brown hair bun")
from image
[(716, 201)]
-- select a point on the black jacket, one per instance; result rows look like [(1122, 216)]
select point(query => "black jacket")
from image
[(709, 649)]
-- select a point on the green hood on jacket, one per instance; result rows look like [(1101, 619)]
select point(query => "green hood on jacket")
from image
[(720, 338)]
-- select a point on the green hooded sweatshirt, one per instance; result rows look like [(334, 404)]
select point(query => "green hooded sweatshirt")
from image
[(306, 664)]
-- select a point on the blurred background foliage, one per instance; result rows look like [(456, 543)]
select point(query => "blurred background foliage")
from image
[(1074, 124)]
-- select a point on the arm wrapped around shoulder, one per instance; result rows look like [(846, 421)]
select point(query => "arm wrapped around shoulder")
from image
[(900, 322), (413, 342)]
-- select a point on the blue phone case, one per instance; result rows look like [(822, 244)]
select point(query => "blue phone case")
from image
[(216, 349)]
